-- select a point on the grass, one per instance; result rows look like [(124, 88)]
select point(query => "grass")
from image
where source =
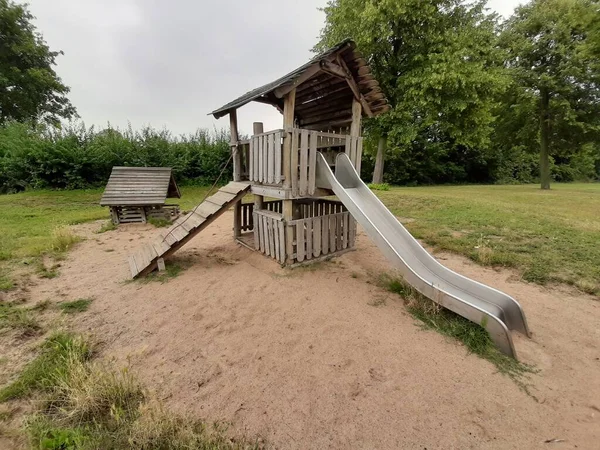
[(548, 236), (379, 186), (474, 337), (76, 306), (109, 225), (159, 223), (172, 270), (14, 317), (34, 224), (82, 404), (49, 368)]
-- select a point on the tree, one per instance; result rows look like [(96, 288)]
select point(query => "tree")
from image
[(29, 86), (438, 63), (552, 53)]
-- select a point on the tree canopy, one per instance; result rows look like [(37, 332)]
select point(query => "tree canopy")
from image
[(29, 87), (466, 89)]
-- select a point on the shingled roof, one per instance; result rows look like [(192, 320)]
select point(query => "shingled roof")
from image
[(139, 186), (319, 86)]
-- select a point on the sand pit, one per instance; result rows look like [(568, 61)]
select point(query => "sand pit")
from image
[(321, 357)]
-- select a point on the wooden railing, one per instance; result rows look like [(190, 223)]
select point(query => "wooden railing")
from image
[(303, 161), (247, 213), (263, 160), (269, 234)]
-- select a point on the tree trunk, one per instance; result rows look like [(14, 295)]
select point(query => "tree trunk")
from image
[(380, 160), (544, 138)]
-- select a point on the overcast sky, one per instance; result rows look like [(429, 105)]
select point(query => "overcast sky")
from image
[(170, 63)]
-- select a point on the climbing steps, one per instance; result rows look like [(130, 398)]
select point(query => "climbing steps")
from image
[(145, 259)]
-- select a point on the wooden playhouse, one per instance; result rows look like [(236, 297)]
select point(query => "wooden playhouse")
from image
[(322, 103), (136, 194)]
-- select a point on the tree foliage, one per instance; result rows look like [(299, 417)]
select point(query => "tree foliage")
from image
[(464, 107), (29, 87)]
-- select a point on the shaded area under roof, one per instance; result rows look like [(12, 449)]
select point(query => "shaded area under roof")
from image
[(322, 81), (139, 186)]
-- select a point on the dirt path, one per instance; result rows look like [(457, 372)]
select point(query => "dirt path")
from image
[(306, 359)]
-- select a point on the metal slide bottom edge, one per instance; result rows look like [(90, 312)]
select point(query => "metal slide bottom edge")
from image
[(496, 311)]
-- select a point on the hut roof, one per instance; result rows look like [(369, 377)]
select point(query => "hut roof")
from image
[(325, 88), (139, 186)]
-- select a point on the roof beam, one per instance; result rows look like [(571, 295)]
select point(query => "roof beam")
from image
[(355, 90), (282, 91)]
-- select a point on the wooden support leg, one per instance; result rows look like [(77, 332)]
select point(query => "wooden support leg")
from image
[(237, 220), (114, 215), (160, 264), (258, 202), (143, 212), (288, 215)]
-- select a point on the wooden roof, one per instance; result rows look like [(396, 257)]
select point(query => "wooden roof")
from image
[(138, 186), (324, 86)]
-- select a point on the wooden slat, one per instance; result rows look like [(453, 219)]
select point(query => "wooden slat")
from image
[(332, 228), (281, 227), (348, 148), (325, 234), (270, 158), (229, 189), (261, 156), (271, 236), (265, 158), (303, 188), (220, 198), (294, 162), (278, 157), (345, 231), (256, 232), (251, 160), (338, 231), (359, 144), (312, 163), (289, 245), (309, 238), (266, 235), (299, 241), (317, 236), (132, 266)]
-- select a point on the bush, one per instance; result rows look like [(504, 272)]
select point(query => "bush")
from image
[(77, 157)]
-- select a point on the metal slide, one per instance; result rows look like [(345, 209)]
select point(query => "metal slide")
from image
[(494, 310)]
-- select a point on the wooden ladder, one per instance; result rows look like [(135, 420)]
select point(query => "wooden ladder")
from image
[(144, 260)]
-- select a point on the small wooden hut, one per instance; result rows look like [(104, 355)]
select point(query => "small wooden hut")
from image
[(323, 103), (135, 194)]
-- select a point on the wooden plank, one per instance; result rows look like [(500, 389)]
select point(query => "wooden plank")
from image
[(132, 266), (261, 157), (237, 157), (275, 239), (309, 238), (265, 235), (351, 232), (259, 227), (220, 198), (282, 241), (338, 231), (294, 162), (312, 163), (232, 189), (251, 160), (325, 234), (256, 232), (300, 241), (206, 209), (278, 155), (270, 158), (345, 231), (271, 235), (303, 184), (348, 148), (317, 236), (332, 228)]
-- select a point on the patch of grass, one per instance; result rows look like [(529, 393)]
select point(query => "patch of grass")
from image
[(107, 226), (172, 270), (76, 306), (47, 272), (87, 405), (14, 317), (548, 236), (159, 223), (62, 240), (6, 283), (473, 336), (50, 367), (379, 186)]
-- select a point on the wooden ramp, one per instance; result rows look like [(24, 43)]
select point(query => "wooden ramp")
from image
[(144, 260)]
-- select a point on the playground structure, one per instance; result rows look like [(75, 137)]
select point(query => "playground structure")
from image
[(317, 153), (136, 194)]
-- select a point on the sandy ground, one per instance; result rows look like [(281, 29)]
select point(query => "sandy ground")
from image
[(323, 358)]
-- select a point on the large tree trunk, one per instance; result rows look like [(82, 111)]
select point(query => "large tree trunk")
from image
[(544, 138), (380, 160)]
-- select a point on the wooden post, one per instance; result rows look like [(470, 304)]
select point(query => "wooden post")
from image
[(258, 128), (237, 219), (355, 128), (237, 159), (380, 160), (289, 103)]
